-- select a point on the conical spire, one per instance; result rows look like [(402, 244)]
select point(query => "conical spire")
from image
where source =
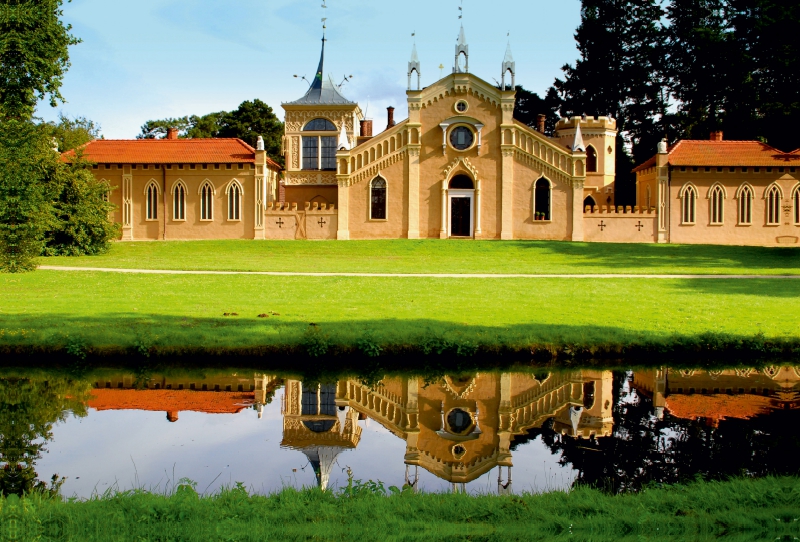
[(577, 144), (413, 66), (509, 66), (462, 48), (322, 90), (344, 143)]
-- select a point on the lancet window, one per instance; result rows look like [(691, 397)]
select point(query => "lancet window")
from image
[(378, 190), (542, 199), (746, 205), (688, 205), (207, 202), (773, 205), (179, 202), (151, 204), (591, 160), (717, 201), (796, 200), (234, 201)]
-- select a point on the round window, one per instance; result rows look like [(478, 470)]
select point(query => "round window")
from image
[(459, 421), (461, 138), (461, 106)]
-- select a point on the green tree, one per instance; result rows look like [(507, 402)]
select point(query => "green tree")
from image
[(253, 119), (157, 129), (69, 134), (34, 56), (81, 211), (529, 106)]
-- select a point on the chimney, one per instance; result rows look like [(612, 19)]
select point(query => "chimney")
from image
[(366, 128), (172, 133), (390, 116), (716, 136), (540, 122)]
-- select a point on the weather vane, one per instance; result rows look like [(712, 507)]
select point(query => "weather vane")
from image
[(461, 10)]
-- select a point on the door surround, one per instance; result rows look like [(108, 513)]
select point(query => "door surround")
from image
[(461, 193)]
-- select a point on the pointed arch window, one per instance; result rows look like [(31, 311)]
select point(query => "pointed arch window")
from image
[(542, 197), (796, 201), (151, 203), (591, 160), (746, 205), (773, 205), (377, 192), (179, 202), (688, 205), (589, 202), (207, 202), (717, 201), (234, 201)]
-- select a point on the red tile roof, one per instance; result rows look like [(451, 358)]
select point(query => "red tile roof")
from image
[(210, 402), (726, 154), (168, 151)]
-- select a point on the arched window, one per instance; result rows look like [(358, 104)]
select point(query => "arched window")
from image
[(234, 201), (688, 204), (377, 197), (589, 202), (179, 202), (717, 201), (591, 160), (541, 200), (796, 200), (151, 193), (319, 151), (206, 201), (773, 205), (462, 182), (745, 205)]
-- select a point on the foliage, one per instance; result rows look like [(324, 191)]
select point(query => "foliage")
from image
[(250, 120), (81, 224), (528, 106), (734, 510), (28, 410), (71, 133), (34, 51), (26, 164)]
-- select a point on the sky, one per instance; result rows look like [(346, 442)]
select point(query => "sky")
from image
[(152, 59)]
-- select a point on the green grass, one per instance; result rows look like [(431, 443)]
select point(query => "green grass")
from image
[(102, 312), (435, 256), (735, 510)]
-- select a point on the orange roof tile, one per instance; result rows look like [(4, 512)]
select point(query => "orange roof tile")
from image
[(717, 407), (168, 151), (211, 402), (725, 154)]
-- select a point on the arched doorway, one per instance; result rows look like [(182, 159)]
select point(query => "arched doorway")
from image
[(589, 202), (461, 190)]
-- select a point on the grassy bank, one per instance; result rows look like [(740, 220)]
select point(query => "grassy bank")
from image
[(435, 256), (102, 313), (737, 510)]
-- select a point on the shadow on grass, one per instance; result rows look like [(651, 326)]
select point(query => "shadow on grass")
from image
[(788, 289), (386, 344), (706, 257)]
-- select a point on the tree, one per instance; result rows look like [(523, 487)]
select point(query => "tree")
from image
[(34, 56), (69, 134), (250, 120), (81, 212), (698, 65), (619, 73), (529, 106)]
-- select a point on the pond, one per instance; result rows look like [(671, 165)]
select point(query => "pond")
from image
[(493, 432)]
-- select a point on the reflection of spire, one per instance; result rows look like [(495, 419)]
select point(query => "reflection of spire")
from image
[(575, 414), (322, 459)]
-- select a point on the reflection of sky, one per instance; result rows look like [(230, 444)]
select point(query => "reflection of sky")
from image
[(128, 448)]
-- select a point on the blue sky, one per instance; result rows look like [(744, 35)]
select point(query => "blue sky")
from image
[(152, 59)]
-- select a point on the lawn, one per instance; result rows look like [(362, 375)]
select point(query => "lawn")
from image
[(106, 312), (732, 510), (435, 256)]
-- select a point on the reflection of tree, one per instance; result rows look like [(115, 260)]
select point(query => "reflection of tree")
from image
[(28, 410), (644, 450)]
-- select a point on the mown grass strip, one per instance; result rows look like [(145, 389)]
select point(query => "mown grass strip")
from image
[(435, 256), (112, 314), (737, 510)]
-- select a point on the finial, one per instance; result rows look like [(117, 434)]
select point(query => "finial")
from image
[(509, 66), (413, 64)]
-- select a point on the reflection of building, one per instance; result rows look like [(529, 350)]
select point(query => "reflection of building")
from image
[(716, 395), (313, 424), (217, 395), (458, 429)]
